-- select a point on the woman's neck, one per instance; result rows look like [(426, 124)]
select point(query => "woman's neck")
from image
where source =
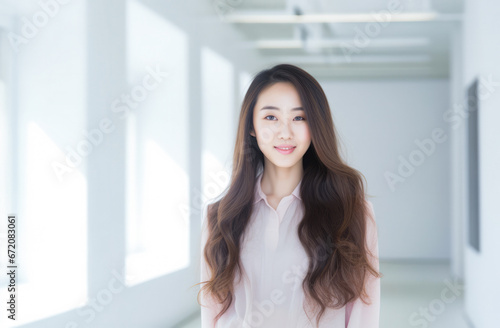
[(279, 182)]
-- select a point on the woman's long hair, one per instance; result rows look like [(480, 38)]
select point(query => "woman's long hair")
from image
[(332, 193)]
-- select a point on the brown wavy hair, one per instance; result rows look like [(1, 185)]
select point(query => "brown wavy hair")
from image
[(333, 195)]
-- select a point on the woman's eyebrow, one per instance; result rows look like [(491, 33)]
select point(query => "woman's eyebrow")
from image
[(276, 108)]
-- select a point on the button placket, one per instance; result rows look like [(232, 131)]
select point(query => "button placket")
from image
[(274, 225), (272, 231), (283, 207), (275, 232)]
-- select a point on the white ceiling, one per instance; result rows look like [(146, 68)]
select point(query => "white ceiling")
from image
[(400, 48), (414, 43)]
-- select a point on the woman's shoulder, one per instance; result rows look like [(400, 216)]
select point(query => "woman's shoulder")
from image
[(370, 211)]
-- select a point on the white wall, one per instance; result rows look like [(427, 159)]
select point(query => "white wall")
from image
[(49, 93), (481, 53), (67, 78), (378, 122)]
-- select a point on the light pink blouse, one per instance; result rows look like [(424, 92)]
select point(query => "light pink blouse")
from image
[(274, 265)]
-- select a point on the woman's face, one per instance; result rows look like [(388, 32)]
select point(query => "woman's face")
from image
[(279, 121)]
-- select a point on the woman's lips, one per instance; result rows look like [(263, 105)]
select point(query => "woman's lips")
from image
[(285, 151)]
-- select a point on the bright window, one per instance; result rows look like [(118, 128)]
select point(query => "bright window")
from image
[(157, 146), (218, 122)]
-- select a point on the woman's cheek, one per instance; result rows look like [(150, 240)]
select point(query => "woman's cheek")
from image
[(304, 133), (266, 134)]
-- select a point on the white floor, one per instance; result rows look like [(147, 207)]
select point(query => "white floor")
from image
[(413, 295)]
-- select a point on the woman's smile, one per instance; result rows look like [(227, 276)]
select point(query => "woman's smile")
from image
[(285, 150)]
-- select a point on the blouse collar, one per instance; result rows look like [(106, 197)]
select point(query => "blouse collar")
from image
[(259, 194)]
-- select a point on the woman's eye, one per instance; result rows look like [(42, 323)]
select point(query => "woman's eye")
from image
[(302, 118)]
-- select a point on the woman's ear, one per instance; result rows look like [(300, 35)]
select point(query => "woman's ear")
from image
[(252, 133)]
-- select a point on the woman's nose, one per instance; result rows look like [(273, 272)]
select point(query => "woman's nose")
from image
[(284, 129)]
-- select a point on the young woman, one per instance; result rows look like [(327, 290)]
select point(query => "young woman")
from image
[(293, 241)]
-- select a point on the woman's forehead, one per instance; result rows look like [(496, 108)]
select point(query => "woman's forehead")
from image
[(279, 94)]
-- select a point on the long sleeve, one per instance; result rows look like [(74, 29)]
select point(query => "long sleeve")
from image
[(358, 314), (209, 308)]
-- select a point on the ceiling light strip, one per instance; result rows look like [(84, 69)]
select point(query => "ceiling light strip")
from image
[(339, 18)]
